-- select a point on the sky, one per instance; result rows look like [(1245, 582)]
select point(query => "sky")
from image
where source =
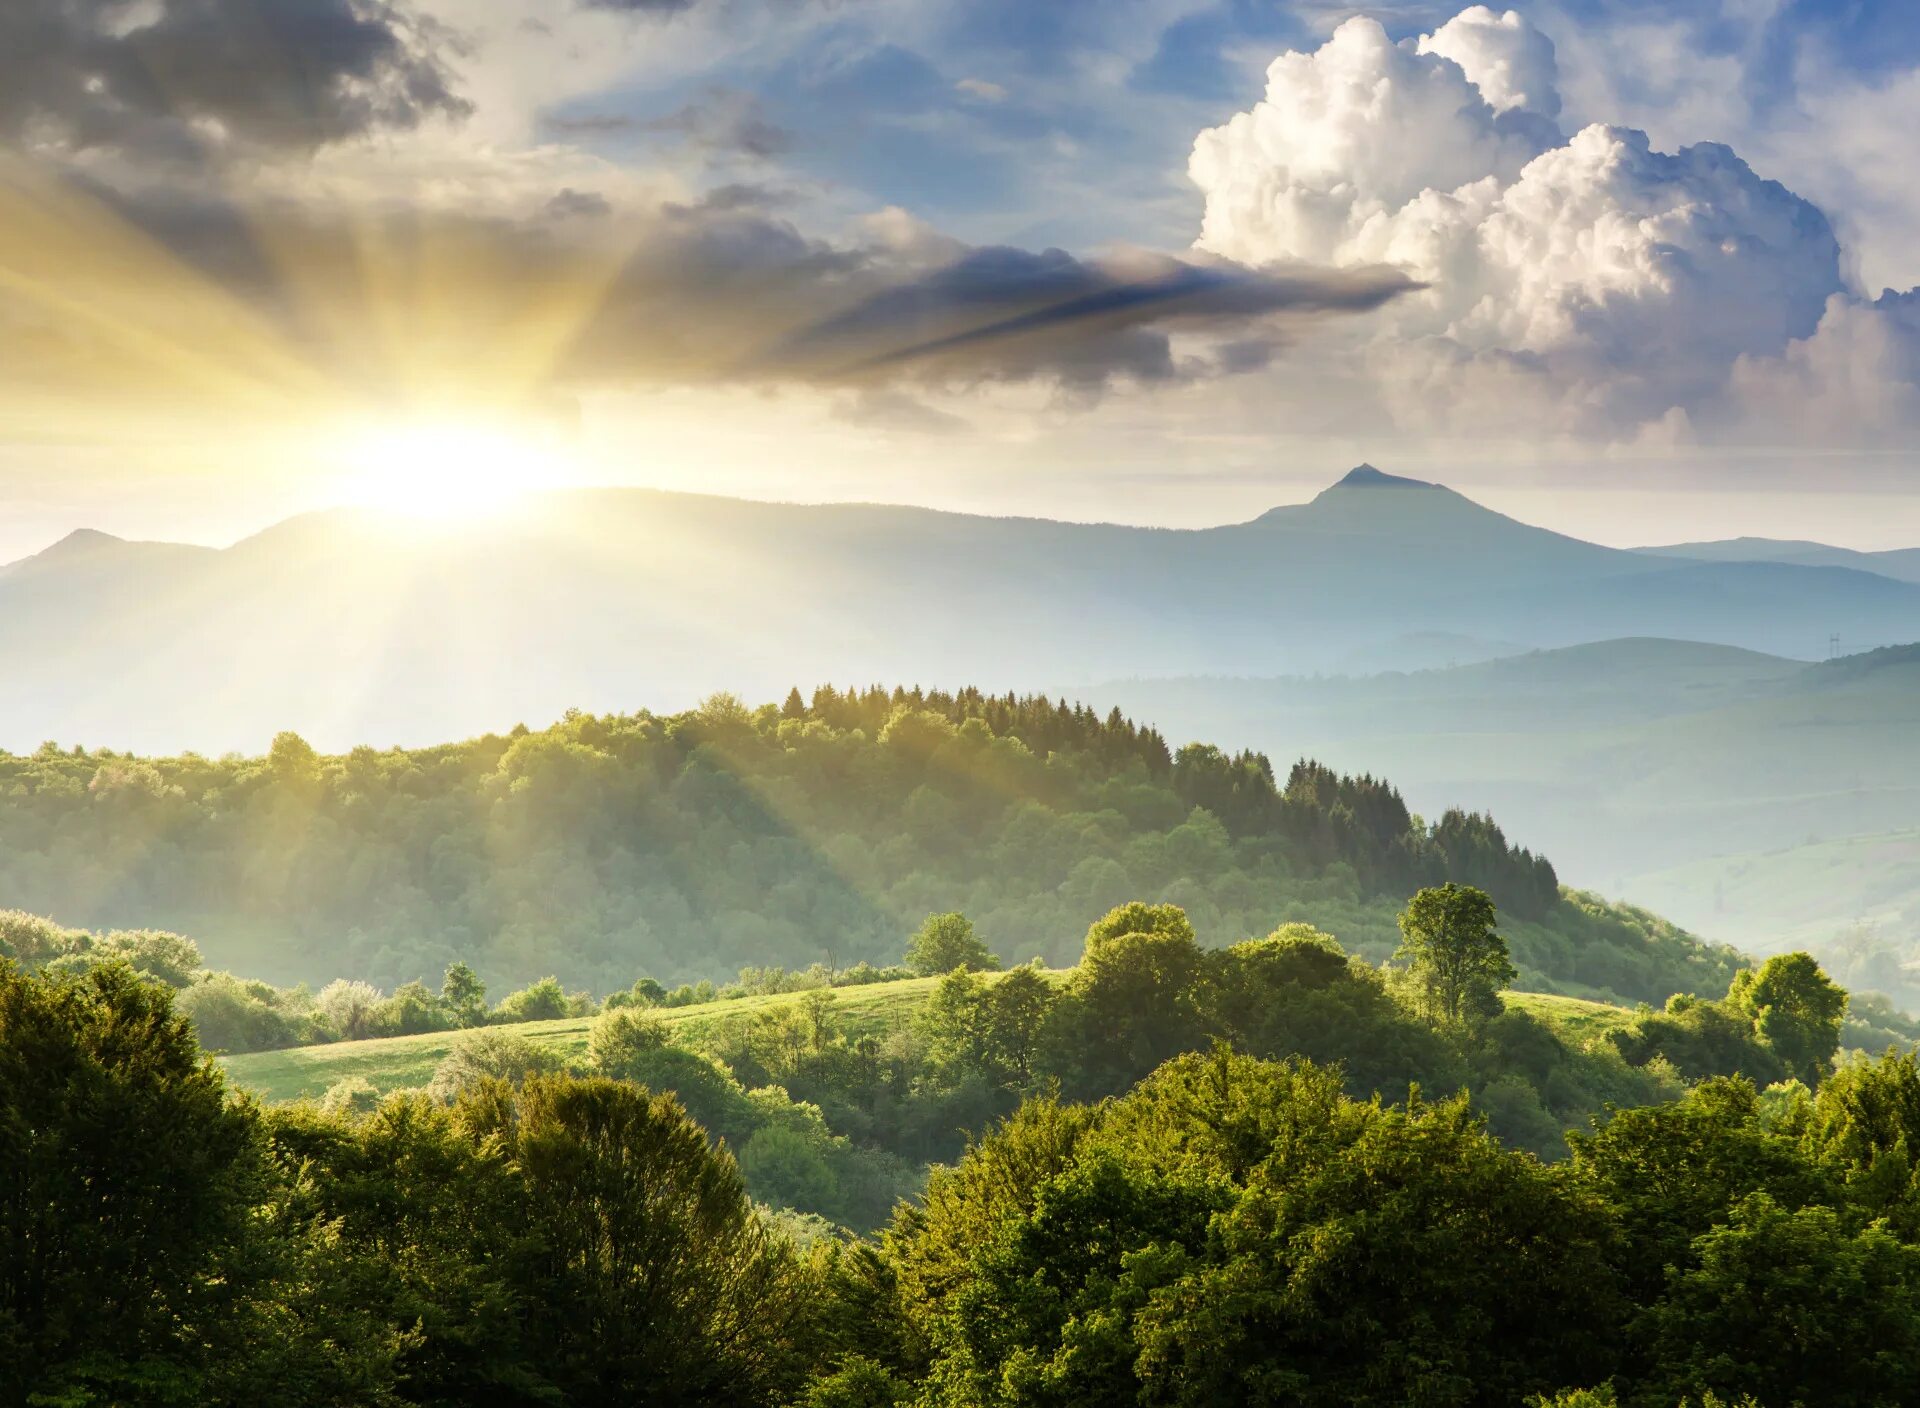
[(1640, 270)]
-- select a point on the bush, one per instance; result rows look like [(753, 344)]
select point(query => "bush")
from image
[(228, 1015), (537, 1002), (620, 1036), (484, 1055), (350, 1007), (355, 1095)]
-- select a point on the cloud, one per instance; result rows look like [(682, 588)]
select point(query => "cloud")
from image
[(659, 9), (1588, 284), (998, 313), (1502, 55), (728, 122), (190, 77), (1855, 380), (208, 302), (570, 204), (895, 412), (985, 90)]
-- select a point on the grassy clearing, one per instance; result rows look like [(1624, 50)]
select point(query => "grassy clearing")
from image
[(393, 1063), (1576, 1021)]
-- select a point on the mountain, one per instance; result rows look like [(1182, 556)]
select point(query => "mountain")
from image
[(1901, 564), (1661, 771), (353, 628)]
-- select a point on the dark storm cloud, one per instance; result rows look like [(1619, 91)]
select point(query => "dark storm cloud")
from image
[(189, 75)]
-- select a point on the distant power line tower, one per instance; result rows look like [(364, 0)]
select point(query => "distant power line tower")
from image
[(1833, 647)]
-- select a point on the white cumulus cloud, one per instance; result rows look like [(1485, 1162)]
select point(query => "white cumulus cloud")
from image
[(1588, 284)]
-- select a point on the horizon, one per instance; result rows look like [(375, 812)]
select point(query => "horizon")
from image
[(1564, 512)]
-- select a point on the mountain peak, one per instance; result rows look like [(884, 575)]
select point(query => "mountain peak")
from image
[(1365, 476), (81, 540)]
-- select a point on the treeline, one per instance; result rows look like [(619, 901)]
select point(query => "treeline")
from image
[(831, 1117), (1231, 1229), (609, 848)]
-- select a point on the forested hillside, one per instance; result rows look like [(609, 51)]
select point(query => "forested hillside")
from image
[(1710, 784), (607, 848)]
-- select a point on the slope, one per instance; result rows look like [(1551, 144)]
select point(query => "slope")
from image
[(354, 629)]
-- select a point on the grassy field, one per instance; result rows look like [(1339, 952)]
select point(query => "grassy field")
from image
[(1574, 1020), (393, 1063)]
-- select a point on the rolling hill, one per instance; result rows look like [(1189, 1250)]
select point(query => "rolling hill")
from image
[(1644, 767), (1901, 564), (351, 628), (397, 1062)]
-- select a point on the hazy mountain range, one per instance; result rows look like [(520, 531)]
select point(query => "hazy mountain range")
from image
[(354, 628), (1757, 800)]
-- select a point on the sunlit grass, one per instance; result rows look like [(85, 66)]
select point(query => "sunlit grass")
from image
[(399, 1062)]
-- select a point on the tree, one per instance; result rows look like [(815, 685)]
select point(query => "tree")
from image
[(32, 941), (350, 1006), (1796, 1010), (658, 1282), (463, 991), (945, 942), (167, 958), (130, 1183), (228, 1015), (292, 758), (489, 1055), (619, 1037), (536, 1002), (1792, 1306), (1132, 1003), (1457, 958)]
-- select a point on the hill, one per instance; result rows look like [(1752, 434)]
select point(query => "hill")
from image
[(1901, 564), (400, 1062), (613, 600), (690, 846), (1646, 768)]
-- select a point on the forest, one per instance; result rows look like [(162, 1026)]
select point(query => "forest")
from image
[(606, 849), (1326, 1119), (1195, 1176)]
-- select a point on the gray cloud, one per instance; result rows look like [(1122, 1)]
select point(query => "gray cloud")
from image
[(720, 292), (728, 122), (570, 204), (189, 76), (1008, 314)]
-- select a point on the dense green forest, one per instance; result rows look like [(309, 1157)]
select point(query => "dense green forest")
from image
[(1182, 1192), (607, 849)]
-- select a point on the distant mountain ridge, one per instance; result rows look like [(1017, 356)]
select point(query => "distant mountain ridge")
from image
[(1623, 759), (1901, 564), (352, 628)]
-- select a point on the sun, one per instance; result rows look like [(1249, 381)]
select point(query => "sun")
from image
[(446, 471)]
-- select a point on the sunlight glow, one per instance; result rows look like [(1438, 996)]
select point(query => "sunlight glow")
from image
[(447, 471)]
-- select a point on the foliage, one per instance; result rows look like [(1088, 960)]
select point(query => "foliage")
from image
[(620, 1037), (1796, 1012), (1782, 1021), (1230, 1229), (614, 848), (481, 1057), (1449, 942), (944, 942)]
